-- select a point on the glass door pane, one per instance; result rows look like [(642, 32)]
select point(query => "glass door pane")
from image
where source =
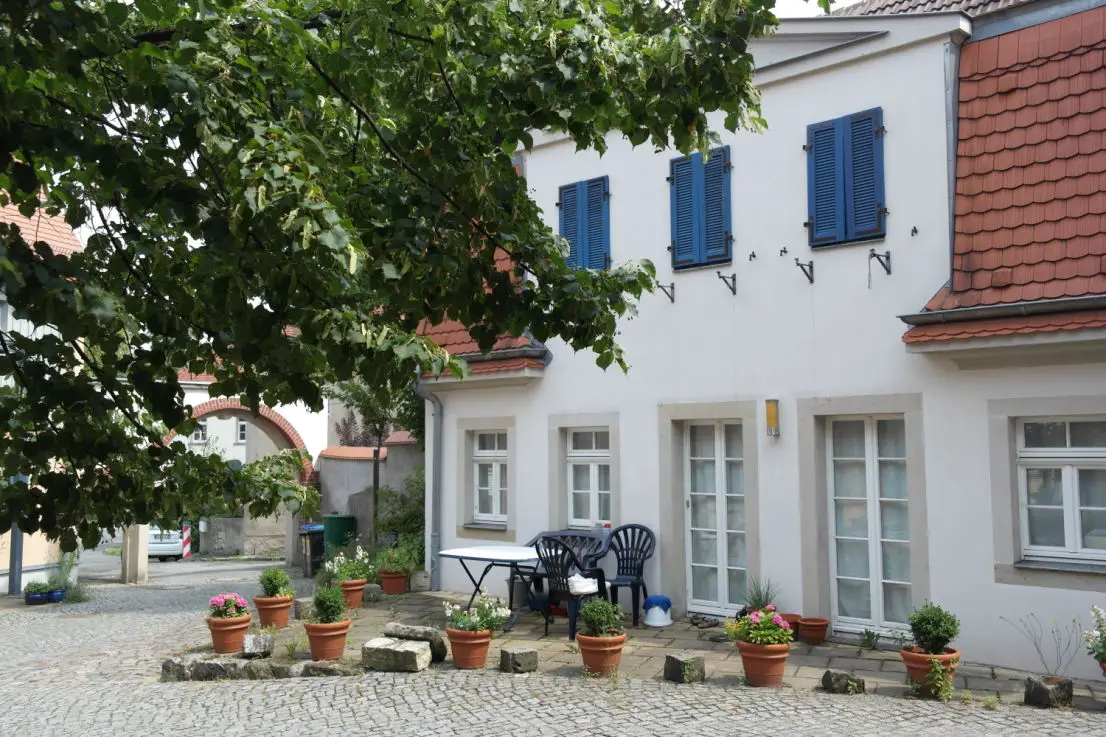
[(734, 483), (850, 519), (702, 516), (871, 521)]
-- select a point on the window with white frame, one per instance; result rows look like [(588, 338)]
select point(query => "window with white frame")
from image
[(241, 436), (589, 477), (199, 435), (489, 459), (1062, 487)]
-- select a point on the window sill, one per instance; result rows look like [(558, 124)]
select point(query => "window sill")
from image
[(702, 266), (1052, 574), (1062, 566), (493, 526), (846, 244)]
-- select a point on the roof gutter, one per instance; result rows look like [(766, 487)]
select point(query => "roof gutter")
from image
[(1017, 309), (539, 352)]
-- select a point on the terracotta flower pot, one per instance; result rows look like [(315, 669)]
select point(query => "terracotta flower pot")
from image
[(763, 664), (393, 583), (328, 641), (918, 665), (470, 649), (791, 618), (813, 630), (227, 634), (602, 655), (272, 611), (354, 591)]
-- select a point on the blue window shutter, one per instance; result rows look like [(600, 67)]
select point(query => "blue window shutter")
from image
[(716, 190), (825, 183), (863, 157), (598, 227), (570, 222), (683, 212)]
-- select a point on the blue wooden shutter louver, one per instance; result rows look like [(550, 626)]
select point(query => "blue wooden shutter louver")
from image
[(684, 219), (863, 159), (825, 190), (598, 224), (570, 223), (716, 199)]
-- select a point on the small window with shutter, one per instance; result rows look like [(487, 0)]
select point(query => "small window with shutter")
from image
[(700, 209), (586, 223), (845, 196)]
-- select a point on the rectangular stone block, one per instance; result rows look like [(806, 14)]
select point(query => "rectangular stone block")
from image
[(391, 655), (685, 667), (518, 659), (432, 635), (303, 608)]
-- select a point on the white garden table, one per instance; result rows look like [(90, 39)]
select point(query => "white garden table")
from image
[(495, 556)]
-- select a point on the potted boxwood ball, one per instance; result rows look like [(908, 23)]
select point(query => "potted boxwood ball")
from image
[(327, 632), (601, 637), (933, 628), (273, 608)]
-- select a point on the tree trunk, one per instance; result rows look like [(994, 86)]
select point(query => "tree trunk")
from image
[(376, 488)]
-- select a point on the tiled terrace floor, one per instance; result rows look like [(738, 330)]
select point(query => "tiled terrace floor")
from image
[(644, 653)]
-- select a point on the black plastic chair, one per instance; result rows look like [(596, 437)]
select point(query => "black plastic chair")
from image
[(559, 562), (632, 545), (589, 547)]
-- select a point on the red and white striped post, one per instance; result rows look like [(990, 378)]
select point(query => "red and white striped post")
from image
[(186, 538)]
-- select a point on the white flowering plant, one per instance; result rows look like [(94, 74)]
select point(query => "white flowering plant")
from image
[(1095, 638), (356, 566), (487, 614)]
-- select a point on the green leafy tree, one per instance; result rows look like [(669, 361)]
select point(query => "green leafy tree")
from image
[(379, 411), (281, 191)]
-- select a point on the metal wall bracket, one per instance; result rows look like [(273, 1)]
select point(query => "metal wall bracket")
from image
[(783, 251), (752, 255), (884, 259), (807, 269), (730, 281), (669, 291)]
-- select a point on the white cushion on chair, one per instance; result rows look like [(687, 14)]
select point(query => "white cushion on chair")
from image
[(580, 586)]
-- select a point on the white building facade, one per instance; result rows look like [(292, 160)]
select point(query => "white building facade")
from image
[(889, 477)]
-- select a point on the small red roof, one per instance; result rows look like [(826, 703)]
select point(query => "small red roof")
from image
[(1030, 218), (187, 377), (51, 229), (400, 437)]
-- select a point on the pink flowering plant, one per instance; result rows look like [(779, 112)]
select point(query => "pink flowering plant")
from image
[(227, 606), (760, 627)]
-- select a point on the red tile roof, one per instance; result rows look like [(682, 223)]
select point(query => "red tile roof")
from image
[(400, 437), (184, 375), (892, 7), (1030, 218), (42, 227), (1047, 323), (453, 336), (352, 453)]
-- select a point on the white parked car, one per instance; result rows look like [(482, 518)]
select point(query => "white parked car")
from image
[(166, 544)]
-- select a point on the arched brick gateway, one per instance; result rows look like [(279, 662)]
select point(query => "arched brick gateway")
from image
[(266, 413)]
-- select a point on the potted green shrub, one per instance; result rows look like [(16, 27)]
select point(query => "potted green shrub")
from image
[(394, 566), (352, 572), (930, 662), (228, 619), (763, 638), (470, 630), (328, 630), (601, 637), (273, 608), (36, 593)]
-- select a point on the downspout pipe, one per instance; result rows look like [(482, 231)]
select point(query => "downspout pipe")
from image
[(436, 425)]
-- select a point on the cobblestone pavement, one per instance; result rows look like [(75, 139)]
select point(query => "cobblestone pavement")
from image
[(91, 670)]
